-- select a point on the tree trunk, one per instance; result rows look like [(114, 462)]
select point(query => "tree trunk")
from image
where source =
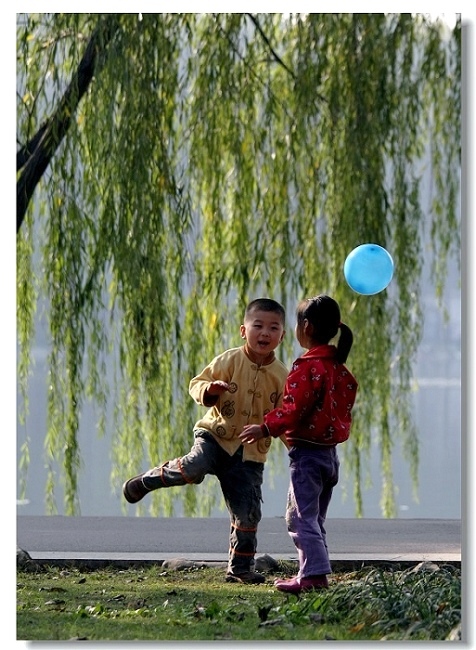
[(35, 156)]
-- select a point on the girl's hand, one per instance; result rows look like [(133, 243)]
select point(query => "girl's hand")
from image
[(251, 433)]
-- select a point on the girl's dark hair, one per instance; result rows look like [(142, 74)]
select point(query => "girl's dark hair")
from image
[(323, 314)]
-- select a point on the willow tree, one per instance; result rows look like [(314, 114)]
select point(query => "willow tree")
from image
[(173, 166)]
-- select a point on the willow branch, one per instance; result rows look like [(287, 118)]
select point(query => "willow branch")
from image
[(34, 158)]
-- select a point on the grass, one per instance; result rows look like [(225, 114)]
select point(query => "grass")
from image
[(196, 604)]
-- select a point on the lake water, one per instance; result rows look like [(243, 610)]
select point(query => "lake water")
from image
[(437, 414)]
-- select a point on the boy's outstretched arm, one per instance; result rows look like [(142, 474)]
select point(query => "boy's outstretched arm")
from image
[(217, 387)]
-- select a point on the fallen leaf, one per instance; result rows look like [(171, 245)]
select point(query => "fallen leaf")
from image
[(358, 627)]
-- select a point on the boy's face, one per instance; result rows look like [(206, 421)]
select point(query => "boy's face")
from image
[(263, 331)]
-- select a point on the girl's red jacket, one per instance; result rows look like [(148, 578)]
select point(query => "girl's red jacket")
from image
[(317, 403)]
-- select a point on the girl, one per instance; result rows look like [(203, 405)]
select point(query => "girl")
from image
[(315, 416)]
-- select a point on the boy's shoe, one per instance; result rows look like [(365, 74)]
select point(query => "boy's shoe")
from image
[(248, 577), (134, 489), (297, 585)]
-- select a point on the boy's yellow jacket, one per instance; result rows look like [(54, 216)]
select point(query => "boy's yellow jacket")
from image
[(254, 391)]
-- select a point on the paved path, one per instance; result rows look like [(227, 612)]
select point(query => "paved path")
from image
[(150, 539)]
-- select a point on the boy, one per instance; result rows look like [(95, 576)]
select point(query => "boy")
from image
[(239, 386)]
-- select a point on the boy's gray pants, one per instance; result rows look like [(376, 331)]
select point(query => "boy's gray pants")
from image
[(240, 483)]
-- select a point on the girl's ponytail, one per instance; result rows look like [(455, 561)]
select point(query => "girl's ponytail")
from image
[(344, 343), (323, 314)]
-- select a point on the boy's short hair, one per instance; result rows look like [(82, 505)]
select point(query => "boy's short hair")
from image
[(266, 304)]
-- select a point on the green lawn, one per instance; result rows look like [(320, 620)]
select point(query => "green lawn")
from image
[(197, 604)]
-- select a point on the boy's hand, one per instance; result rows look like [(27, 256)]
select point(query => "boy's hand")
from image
[(251, 433), (217, 387)]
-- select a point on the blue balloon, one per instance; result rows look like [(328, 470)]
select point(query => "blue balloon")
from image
[(368, 269)]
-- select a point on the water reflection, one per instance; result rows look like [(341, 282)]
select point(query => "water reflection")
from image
[(437, 412)]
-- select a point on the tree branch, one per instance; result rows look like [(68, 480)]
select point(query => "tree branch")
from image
[(274, 54), (36, 155)]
